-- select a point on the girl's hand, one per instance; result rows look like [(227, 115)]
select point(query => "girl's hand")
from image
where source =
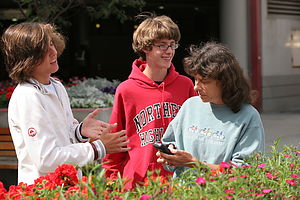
[(180, 158)]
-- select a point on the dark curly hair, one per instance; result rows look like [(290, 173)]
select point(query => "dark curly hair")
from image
[(214, 60)]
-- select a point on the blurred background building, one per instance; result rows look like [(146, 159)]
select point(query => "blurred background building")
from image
[(263, 34)]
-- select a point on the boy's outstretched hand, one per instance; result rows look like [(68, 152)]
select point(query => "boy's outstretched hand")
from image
[(114, 142), (91, 127)]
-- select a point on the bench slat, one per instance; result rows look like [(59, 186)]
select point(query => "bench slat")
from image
[(5, 138), (4, 131), (8, 166), (8, 153), (8, 158), (7, 145)]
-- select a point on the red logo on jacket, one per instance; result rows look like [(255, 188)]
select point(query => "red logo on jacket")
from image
[(32, 132)]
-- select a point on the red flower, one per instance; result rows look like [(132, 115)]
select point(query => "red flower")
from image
[(8, 95), (6, 90), (64, 175), (2, 191), (162, 179), (20, 190)]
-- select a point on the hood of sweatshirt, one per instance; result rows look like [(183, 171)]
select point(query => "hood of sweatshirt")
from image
[(138, 66)]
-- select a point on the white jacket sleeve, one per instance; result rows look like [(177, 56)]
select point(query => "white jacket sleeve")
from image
[(42, 133)]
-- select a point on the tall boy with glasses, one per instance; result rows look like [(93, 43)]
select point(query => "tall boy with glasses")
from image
[(148, 100)]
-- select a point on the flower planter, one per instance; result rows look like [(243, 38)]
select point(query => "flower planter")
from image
[(79, 114)]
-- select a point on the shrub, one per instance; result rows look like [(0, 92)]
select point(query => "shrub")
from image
[(272, 176), (6, 90), (92, 92), (83, 93)]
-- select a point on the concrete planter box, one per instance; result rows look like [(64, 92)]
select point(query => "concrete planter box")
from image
[(3, 117), (79, 114)]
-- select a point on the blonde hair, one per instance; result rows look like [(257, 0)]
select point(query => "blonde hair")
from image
[(151, 29), (25, 45)]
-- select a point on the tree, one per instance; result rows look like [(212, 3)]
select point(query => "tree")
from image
[(60, 11)]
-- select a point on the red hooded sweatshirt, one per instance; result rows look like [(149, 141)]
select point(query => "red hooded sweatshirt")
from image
[(144, 109)]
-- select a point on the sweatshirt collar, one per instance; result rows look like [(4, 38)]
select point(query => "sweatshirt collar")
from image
[(137, 74)]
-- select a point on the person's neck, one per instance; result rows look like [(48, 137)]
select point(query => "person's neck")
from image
[(43, 79), (155, 73)]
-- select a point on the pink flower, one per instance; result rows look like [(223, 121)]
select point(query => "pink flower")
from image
[(291, 182), (224, 165), (287, 156), (292, 165), (230, 190), (298, 152), (145, 197), (244, 175), (117, 197), (294, 175), (259, 194), (201, 180), (229, 196), (232, 178), (246, 166), (261, 165), (266, 190), (271, 176)]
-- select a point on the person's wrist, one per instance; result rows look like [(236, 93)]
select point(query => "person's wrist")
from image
[(80, 131), (193, 162)]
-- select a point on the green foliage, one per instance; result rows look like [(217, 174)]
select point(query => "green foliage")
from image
[(60, 11), (83, 93), (118, 8), (272, 176)]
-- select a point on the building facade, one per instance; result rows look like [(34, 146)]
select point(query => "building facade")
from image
[(269, 50)]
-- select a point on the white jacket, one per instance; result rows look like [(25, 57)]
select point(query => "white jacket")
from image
[(44, 131)]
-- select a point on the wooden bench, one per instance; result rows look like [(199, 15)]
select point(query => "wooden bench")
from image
[(8, 158)]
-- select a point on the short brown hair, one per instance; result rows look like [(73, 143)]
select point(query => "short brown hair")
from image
[(215, 61), (151, 29), (25, 45)]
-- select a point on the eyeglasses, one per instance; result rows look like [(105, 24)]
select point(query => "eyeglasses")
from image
[(165, 47)]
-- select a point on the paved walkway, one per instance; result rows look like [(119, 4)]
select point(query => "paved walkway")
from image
[(284, 125)]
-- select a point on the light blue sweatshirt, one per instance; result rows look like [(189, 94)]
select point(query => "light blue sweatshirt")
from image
[(213, 133)]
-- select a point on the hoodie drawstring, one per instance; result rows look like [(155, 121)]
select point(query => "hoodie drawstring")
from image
[(162, 103)]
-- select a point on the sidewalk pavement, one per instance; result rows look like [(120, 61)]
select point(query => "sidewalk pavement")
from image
[(285, 125)]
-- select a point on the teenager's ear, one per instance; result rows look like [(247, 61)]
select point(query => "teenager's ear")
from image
[(147, 49)]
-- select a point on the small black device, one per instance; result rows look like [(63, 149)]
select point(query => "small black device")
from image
[(162, 147)]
